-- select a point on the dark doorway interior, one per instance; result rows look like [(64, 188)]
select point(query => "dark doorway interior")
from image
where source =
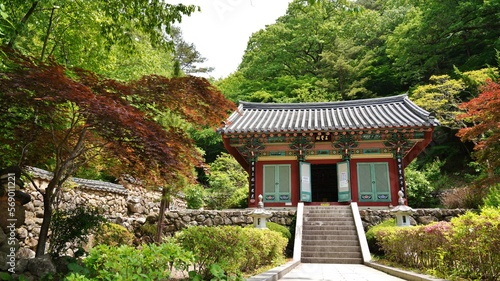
[(324, 183)]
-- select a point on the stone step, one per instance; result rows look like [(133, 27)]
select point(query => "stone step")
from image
[(345, 207), (321, 243), (323, 254), (343, 212), (329, 220), (332, 260), (329, 232), (331, 249), (329, 237), (330, 227), (327, 223), (327, 216)]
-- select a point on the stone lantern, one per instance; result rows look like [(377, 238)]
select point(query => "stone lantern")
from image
[(402, 211), (260, 215)]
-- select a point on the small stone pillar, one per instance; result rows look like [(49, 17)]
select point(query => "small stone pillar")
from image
[(402, 211), (260, 215)]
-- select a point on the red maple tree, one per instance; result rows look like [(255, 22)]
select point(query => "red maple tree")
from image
[(68, 116), (483, 112)]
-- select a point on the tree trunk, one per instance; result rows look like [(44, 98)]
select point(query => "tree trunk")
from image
[(23, 22), (161, 215), (47, 218)]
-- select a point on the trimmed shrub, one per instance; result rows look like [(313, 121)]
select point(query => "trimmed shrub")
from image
[(279, 228), (473, 250), (467, 247), (416, 247), (210, 245), (262, 247), (233, 248), (113, 234), (386, 226)]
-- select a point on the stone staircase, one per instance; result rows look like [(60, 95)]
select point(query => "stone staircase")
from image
[(329, 236)]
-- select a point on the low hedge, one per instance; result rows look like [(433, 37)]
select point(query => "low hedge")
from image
[(467, 247), (233, 248)]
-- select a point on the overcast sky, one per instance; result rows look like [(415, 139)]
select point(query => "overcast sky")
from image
[(221, 30)]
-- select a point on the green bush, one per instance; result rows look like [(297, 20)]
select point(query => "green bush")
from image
[(212, 245), (492, 198), (279, 228), (113, 234), (468, 247), (233, 248), (151, 262), (194, 197), (416, 247), (473, 250), (387, 226), (71, 228), (262, 247)]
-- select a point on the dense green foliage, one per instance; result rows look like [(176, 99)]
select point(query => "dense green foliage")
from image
[(122, 43), (151, 262), (72, 227), (237, 249), (279, 228), (194, 196), (467, 247), (337, 50), (113, 234), (228, 184), (191, 252), (384, 227), (492, 198), (423, 184)]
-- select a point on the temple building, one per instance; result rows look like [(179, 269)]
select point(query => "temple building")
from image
[(328, 153)]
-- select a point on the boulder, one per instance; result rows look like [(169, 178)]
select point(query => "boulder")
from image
[(41, 266)]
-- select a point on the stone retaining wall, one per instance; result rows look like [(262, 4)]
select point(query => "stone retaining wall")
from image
[(421, 216)]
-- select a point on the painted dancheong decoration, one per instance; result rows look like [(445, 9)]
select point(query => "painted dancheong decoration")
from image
[(328, 153)]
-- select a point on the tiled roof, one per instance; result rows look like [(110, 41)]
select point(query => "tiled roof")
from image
[(387, 112), (81, 183)]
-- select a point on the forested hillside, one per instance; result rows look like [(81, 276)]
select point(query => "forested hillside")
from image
[(440, 52)]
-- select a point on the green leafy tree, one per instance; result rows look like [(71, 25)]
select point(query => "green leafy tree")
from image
[(436, 35), (228, 183), (123, 39)]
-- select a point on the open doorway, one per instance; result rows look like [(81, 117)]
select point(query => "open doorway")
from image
[(324, 186)]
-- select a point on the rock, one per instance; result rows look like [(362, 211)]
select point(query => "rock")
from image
[(21, 265), (41, 266), (426, 219), (135, 208), (208, 222), (22, 233), (61, 264), (25, 253), (218, 220)]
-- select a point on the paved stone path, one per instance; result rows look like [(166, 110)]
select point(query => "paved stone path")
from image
[(336, 272)]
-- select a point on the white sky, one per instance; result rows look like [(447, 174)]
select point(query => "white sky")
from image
[(221, 30)]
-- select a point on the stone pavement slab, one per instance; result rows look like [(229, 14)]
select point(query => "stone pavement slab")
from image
[(336, 272)]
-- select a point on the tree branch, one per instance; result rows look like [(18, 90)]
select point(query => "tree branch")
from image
[(23, 21)]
